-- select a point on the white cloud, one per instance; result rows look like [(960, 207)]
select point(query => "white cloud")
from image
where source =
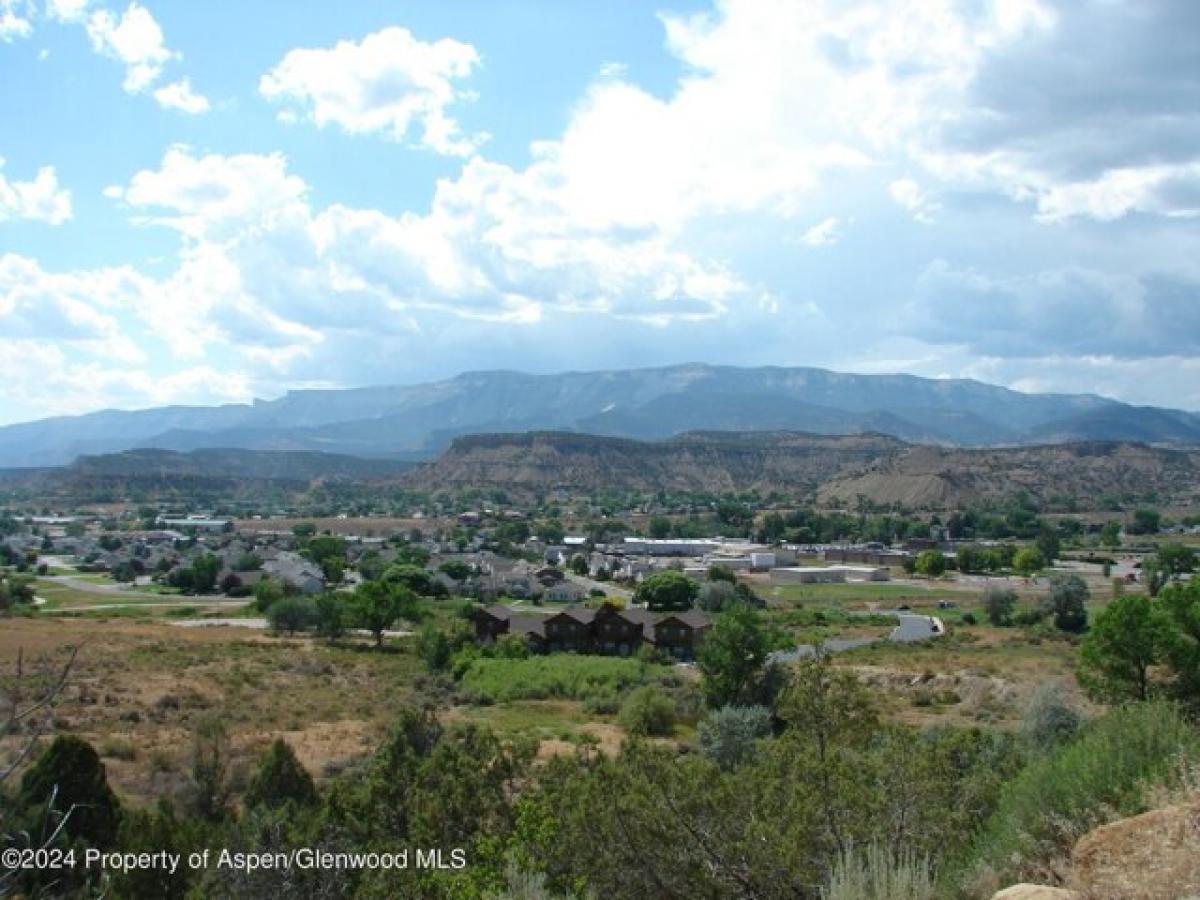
[(76, 308), (389, 83), (1070, 310), (15, 19), (134, 39), (41, 199), (908, 194), (682, 208), (216, 197), (179, 95), (825, 233), (54, 380), (1171, 190), (67, 11)]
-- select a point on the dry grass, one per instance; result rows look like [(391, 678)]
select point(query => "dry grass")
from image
[(139, 688)]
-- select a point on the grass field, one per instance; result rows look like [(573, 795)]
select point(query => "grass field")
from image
[(879, 593), (556, 676), (143, 685)]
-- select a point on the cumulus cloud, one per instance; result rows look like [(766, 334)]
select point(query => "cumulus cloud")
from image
[(1044, 152), (15, 19), (77, 308), (825, 233), (135, 39), (1068, 311), (68, 11), (52, 378), (389, 83), (41, 200), (180, 95), (908, 194), (1095, 114)]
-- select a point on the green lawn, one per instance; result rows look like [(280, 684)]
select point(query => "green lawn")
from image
[(865, 592)]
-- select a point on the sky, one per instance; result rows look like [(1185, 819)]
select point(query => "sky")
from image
[(207, 203)]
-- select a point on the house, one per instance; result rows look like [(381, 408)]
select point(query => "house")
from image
[(302, 574), (564, 592), (570, 630), (808, 575), (828, 574), (867, 556), (548, 575), (197, 523), (679, 634), (493, 622), (607, 630)]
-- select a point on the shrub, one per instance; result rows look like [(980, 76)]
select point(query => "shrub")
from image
[(292, 614), (604, 702), (69, 774), (879, 874), (647, 711), (1051, 719), (715, 596), (562, 676), (330, 616), (1068, 601), (999, 604), (117, 748), (280, 779), (968, 618), (729, 735), (511, 646), (1105, 772), (208, 790), (433, 645), (1028, 617), (931, 563)]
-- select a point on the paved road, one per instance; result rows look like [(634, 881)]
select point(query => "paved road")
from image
[(116, 591), (262, 624), (911, 629), (89, 587), (172, 604)]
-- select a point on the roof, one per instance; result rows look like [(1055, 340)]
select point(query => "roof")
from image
[(527, 624), (693, 617), (585, 616)]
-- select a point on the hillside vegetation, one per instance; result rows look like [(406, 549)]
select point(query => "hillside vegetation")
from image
[(838, 469)]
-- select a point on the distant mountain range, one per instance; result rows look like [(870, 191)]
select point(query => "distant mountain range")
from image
[(419, 421)]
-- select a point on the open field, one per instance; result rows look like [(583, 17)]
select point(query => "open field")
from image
[(364, 526), (140, 688), (867, 594)]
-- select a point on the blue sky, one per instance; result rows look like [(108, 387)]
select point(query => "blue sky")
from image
[(205, 203)]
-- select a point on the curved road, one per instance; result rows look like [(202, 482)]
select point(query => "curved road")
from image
[(912, 628)]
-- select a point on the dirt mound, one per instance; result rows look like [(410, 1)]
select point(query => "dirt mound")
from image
[(1034, 892), (1154, 856)]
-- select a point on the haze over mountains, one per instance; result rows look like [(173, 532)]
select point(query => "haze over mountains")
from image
[(420, 421)]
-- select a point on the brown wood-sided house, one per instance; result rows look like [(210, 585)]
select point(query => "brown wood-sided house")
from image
[(607, 630)]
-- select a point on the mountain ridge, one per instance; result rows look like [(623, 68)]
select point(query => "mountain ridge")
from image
[(832, 469), (411, 422)]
